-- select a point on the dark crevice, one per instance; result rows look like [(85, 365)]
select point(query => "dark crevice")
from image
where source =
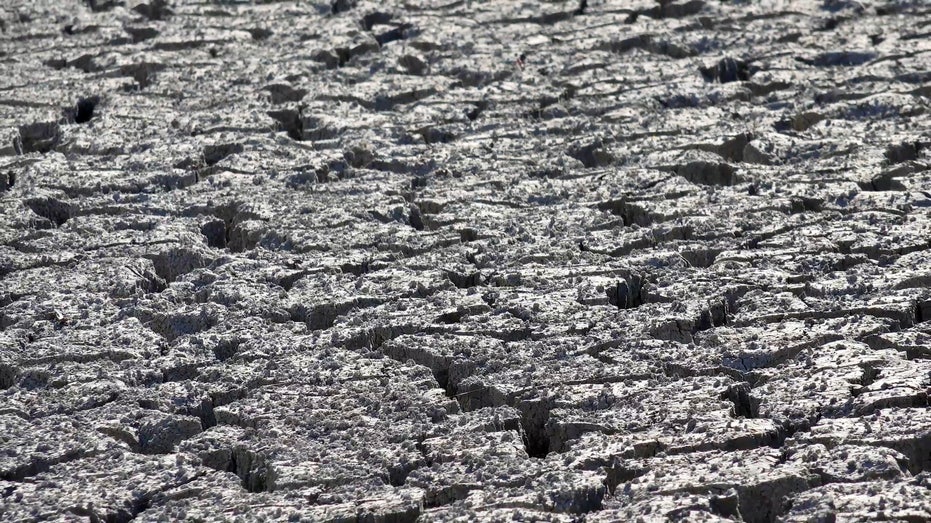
[(287, 282), (139, 505), (54, 210), (39, 137), (85, 62), (889, 180), (726, 504), (668, 9), (357, 269), (903, 152), (650, 44), (82, 111), (745, 404), (801, 122), (384, 102), (227, 348), (398, 473), (374, 338), (175, 262), (535, 414), (318, 317), (552, 18), (631, 213), (708, 173), (728, 70), (214, 154), (442, 367), (627, 293), (432, 135), (375, 18), (702, 257), (592, 154), (473, 113), (790, 427), (141, 33), (85, 109), (838, 59), (441, 376), (99, 6), (714, 315), (238, 237), (805, 204), (205, 413), (732, 149), (40, 465), (546, 18), (468, 234), (464, 280), (922, 311), (251, 468), (143, 73), (398, 33), (9, 374), (681, 329), (155, 9), (446, 495), (283, 93), (341, 6), (7, 180), (618, 474), (260, 33), (452, 317), (415, 217), (215, 231), (290, 121)]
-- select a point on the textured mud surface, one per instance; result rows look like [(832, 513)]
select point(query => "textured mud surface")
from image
[(447, 260)]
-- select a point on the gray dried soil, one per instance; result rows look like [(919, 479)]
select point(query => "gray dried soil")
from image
[(437, 260)]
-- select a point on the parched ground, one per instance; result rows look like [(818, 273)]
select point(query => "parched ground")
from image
[(441, 260)]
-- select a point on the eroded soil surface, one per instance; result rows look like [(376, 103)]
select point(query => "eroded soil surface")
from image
[(446, 260)]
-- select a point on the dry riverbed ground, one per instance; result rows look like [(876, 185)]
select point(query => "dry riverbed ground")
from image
[(444, 260)]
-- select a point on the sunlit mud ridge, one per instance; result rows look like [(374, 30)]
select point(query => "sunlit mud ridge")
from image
[(439, 260)]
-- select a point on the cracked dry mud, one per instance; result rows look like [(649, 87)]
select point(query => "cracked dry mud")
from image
[(443, 260)]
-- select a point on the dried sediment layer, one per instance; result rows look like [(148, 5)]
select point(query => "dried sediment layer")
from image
[(449, 261)]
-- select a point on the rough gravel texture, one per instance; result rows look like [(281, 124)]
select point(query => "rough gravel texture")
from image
[(443, 260)]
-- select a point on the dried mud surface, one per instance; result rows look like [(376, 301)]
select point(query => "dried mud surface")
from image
[(444, 260)]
